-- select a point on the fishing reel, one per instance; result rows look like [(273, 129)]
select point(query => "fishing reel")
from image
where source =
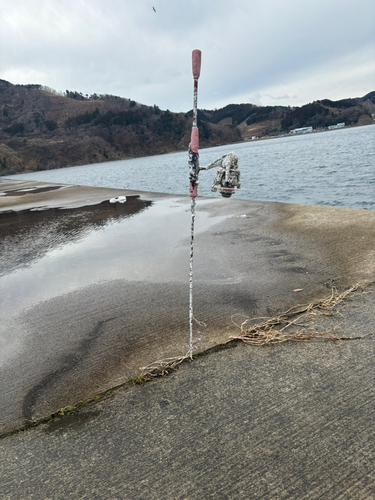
[(227, 178)]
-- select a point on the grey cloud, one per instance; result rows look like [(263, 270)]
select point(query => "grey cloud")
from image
[(125, 48)]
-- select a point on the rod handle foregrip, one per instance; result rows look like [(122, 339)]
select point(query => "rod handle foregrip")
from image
[(194, 140)]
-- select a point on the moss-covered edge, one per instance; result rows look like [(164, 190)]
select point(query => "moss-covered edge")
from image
[(137, 379)]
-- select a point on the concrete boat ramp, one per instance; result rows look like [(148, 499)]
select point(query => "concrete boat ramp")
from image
[(91, 292)]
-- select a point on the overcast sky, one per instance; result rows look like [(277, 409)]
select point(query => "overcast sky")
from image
[(265, 52)]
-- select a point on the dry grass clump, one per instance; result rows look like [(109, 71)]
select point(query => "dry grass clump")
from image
[(296, 323), (159, 369)]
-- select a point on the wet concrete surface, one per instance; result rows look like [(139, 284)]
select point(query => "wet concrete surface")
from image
[(291, 421), (91, 291), (90, 294)]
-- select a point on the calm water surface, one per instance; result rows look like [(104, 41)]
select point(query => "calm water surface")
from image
[(335, 168)]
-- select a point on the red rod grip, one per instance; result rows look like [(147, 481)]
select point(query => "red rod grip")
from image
[(196, 60)]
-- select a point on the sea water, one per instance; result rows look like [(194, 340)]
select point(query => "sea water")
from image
[(335, 168)]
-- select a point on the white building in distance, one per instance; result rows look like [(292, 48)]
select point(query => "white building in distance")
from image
[(302, 130), (338, 125)]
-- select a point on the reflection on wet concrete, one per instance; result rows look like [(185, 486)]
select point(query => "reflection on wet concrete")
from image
[(27, 235)]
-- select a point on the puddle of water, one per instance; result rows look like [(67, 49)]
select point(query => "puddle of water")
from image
[(27, 236), (51, 253)]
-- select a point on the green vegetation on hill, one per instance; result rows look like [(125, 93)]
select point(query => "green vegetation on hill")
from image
[(41, 129)]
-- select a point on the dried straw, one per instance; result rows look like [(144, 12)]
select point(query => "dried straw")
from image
[(159, 368), (293, 324)]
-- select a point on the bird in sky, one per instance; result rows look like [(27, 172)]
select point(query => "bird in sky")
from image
[(154, 9)]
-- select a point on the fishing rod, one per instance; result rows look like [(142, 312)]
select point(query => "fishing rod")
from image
[(193, 179), (227, 178)]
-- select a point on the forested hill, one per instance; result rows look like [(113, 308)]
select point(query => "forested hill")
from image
[(41, 129), (261, 121)]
